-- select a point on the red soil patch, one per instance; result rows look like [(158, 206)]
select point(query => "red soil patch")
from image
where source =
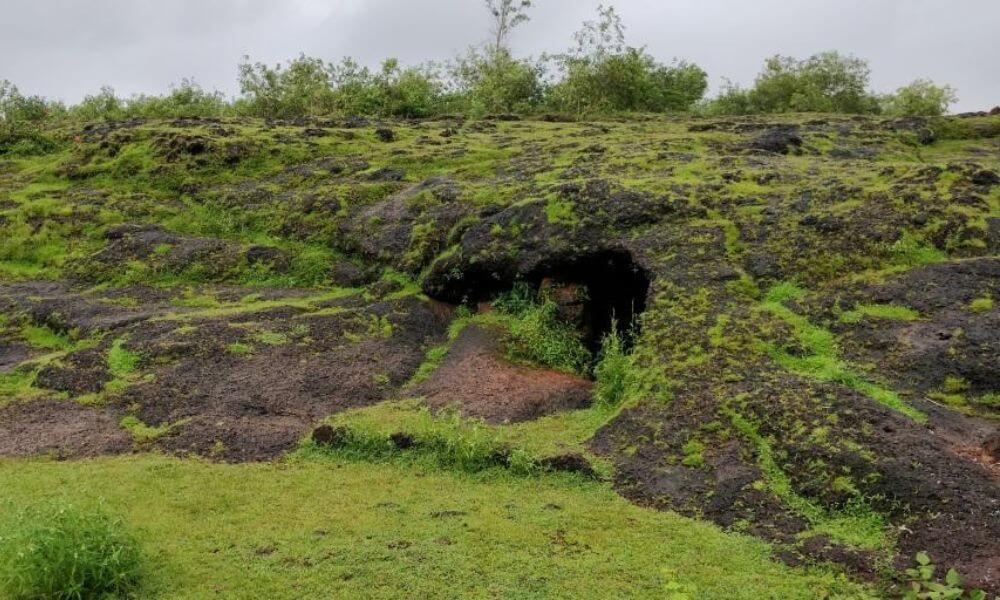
[(477, 379), (63, 429)]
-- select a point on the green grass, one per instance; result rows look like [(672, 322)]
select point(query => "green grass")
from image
[(445, 440), (122, 362), (559, 211), (240, 349), (336, 528), (272, 338), (614, 373), (17, 385), (912, 251), (537, 335), (45, 338), (143, 433), (889, 312)]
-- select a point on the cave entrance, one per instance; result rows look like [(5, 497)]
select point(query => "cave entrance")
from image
[(598, 292)]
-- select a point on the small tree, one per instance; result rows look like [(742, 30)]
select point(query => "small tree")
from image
[(104, 105), (497, 83), (186, 99), (602, 37), (507, 15), (22, 120), (301, 87), (392, 91), (16, 107), (602, 73), (921, 98), (825, 82)]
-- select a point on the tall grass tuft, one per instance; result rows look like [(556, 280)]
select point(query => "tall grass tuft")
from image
[(63, 553), (537, 335), (612, 370)]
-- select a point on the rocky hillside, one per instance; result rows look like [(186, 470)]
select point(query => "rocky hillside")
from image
[(787, 327)]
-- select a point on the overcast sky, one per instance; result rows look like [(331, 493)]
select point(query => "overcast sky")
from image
[(67, 48)]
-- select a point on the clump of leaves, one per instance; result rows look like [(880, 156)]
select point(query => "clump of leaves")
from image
[(63, 553), (537, 335), (922, 585)]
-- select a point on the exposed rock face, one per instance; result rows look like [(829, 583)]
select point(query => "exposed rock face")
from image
[(779, 141)]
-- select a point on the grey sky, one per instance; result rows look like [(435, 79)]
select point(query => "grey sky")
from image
[(67, 48)]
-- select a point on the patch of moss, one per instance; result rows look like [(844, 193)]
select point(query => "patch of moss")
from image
[(981, 305), (240, 349), (823, 361), (890, 312), (122, 362), (857, 525)]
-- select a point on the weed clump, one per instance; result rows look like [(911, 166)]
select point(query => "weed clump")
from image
[(537, 335), (445, 440), (611, 373), (64, 553)]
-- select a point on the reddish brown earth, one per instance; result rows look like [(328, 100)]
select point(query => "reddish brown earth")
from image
[(477, 379), (60, 429)]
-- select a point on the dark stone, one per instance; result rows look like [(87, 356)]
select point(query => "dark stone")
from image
[(262, 254), (348, 274), (925, 136), (763, 265), (327, 435), (402, 440), (778, 140), (985, 178), (386, 174), (569, 463), (992, 447), (385, 134), (355, 122)]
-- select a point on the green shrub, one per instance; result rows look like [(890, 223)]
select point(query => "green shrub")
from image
[(21, 121), (63, 553), (603, 74), (393, 91), (628, 81), (186, 99), (537, 335), (102, 106), (519, 300), (540, 337), (497, 83), (921, 98), (922, 584), (825, 82), (300, 87)]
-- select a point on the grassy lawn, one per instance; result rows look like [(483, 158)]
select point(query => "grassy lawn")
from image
[(329, 528)]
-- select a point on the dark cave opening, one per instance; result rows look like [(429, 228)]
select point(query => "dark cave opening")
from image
[(592, 291)]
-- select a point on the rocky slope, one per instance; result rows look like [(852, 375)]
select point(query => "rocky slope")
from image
[(809, 304)]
